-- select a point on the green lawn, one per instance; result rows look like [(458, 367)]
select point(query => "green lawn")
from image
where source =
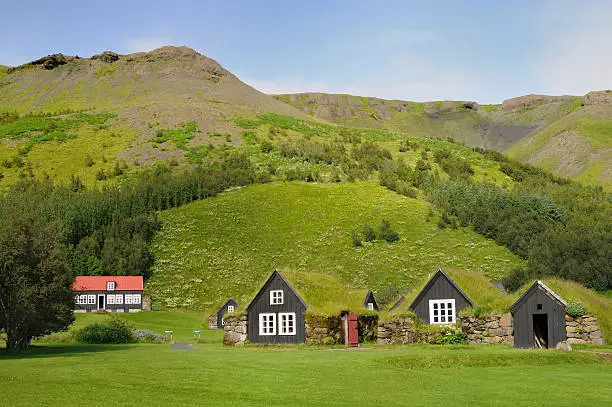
[(227, 246), (156, 375)]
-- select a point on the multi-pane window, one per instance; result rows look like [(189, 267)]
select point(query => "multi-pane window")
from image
[(267, 324), (136, 298), (91, 299), (276, 297), (286, 324), (110, 299), (230, 308), (132, 298), (110, 286), (119, 299), (442, 311), (81, 299), (370, 306)]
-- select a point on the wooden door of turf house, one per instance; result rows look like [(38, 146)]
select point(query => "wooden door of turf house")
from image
[(350, 325)]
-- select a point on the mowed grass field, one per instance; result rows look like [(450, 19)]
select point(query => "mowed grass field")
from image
[(156, 375), (227, 246)]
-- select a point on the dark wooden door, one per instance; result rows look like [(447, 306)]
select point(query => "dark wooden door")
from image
[(352, 329)]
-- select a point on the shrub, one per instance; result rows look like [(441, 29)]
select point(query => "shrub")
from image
[(576, 308), (356, 239), (113, 330), (452, 335), (267, 146), (368, 233), (89, 161), (386, 233)]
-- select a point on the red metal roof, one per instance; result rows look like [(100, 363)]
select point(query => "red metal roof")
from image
[(98, 283)]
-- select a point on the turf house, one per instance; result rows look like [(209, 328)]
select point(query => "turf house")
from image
[(108, 293), (216, 320)]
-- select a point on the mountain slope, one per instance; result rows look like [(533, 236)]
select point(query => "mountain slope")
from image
[(509, 126)]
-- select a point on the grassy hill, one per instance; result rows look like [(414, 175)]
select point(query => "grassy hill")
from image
[(555, 133), (227, 246)]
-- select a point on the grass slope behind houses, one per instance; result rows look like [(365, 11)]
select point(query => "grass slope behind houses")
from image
[(227, 246)]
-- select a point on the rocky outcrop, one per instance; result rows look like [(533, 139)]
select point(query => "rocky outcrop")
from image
[(496, 328), (523, 102), (583, 330), (49, 62), (235, 330), (107, 56), (598, 98)]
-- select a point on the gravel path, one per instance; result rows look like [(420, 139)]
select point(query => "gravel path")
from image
[(183, 346)]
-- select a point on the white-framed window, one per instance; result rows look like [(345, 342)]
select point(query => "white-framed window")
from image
[(442, 311), (370, 306), (286, 323), (110, 299), (119, 299), (81, 299), (91, 299), (136, 298), (128, 299), (276, 297), (267, 324), (110, 286), (230, 308)]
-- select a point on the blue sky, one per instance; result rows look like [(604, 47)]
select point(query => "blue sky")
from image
[(473, 50)]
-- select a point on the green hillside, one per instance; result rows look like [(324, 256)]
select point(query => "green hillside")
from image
[(227, 246)]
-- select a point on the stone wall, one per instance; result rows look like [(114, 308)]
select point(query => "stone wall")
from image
[(404, 330), (235, 330), (323, 329), (146, 303), (496, 328), (212, 321), (583, 330)]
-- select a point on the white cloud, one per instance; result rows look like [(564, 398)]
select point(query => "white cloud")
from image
[(145, 44)]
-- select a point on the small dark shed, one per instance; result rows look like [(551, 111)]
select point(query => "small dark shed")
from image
[(229, 306), (440, 301), (276, 314), (398, 303), (370, 302), (539, 318)]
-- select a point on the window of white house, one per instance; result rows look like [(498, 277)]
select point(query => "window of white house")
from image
[(286, 325), (370, 306), (119, 299), (442, 311), (110, 299), (110, 286), (129, 299), (267, 324), (136, 298), (230, 308), (276, 297), (81, 299), (91, 299)]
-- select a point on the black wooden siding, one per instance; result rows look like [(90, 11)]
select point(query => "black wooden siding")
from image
[(223, 310), (440, 287), (108, 307), (370, 298), (261, 304), (523, 311)]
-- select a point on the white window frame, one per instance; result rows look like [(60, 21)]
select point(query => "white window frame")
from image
[(119, 299), (282, 329), (230, 308), (439, 306), (110, 299), (129, 300), (277, 297), (267, 330), (110, 286), (136, 299), (81, 299), (91, 299), (370, 306)]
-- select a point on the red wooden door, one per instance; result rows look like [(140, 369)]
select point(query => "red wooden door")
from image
[(352, 330)]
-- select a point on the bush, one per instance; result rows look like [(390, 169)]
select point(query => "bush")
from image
[(452, 335), (356, 239), (113, 330), (386, 233), (89, 161), (267, 146), (368, 233), (576, 308)]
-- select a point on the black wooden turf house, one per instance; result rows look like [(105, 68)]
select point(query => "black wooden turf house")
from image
[(539, 318), (276, 313), (440, 301), (370, 302), (229, 306)]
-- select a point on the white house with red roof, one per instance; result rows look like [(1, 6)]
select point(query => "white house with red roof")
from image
[(108, 293)]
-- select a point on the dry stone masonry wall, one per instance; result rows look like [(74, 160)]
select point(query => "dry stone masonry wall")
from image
[(212, 321), (235, 330), (489, 329), (583, 330)]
